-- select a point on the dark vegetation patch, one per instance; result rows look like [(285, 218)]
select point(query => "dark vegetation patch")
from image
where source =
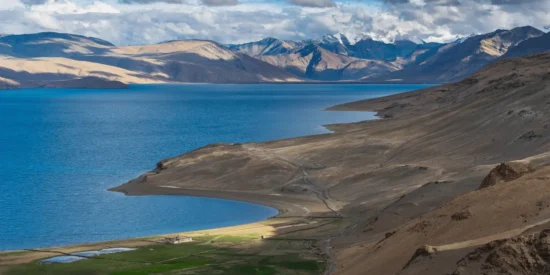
[(461, 215)]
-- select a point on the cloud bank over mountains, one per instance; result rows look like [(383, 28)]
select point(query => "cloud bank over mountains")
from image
[(125, 22)]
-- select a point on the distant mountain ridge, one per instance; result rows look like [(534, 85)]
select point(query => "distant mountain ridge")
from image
[(32, 60), (400, 61), (455, 61), (530, 46)]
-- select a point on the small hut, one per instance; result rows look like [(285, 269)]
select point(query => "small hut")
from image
[(178, 239)]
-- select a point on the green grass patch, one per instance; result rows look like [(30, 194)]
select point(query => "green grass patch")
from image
[(160, 268), (292, 262), (94, 266), (300, 265), (162, 252), (249, 269), (227, 238), (144, 260), (214, 260)]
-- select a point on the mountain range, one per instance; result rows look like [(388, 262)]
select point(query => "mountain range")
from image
[(38, 60), (334, 57)]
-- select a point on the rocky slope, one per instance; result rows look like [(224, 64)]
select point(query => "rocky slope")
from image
[(407, 186), (520, 255), (455, 61), (267, 46), (334, 58), (531, 46), (316, 63)]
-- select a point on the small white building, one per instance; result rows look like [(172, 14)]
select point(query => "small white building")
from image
[(178, 240)]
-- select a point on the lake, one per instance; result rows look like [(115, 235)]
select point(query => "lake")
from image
[(61, 149)]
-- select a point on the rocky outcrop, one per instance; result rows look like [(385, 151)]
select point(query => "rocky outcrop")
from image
[(506, 172), (521, 255), (421, 253)]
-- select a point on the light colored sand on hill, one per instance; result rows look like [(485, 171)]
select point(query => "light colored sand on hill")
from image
[(190, 61), (9, 82), (206, 49), (47, 69)]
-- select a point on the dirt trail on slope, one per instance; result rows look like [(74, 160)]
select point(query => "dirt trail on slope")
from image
[(401, 179)]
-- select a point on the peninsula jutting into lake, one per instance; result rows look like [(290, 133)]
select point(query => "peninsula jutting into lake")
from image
[(144, 124), (275, 137)]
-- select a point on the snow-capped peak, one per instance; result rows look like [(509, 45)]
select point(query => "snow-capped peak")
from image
[(464, 38), (353, 39), (334, 38), (414, 39)]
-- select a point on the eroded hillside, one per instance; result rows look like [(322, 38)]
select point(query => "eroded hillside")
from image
[(408, 182)]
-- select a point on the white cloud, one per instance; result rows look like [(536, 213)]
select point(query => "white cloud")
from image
[(148, 22), (68, 7)]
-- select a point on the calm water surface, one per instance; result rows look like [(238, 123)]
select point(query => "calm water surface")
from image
[(61, 149)]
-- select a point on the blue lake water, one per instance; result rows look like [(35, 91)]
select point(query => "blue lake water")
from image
[(61, 149)]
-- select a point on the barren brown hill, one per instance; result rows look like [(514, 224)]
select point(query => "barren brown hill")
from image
[(315, 62), (36, 72), (407, 185), (24, 57)]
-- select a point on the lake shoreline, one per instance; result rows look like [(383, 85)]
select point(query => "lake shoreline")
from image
[(151, 128), (285, 205)]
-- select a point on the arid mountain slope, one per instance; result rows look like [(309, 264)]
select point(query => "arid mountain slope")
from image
[(50, 44), (267, 46), (404, 182), (205, 61), (333, 57), (399, 61), (455, 61), (316, 63), (6, 83), (330, 58), (531, 46), (175, 61), (33, 72)]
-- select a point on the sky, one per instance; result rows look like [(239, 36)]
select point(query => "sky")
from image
[(134, 22)]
